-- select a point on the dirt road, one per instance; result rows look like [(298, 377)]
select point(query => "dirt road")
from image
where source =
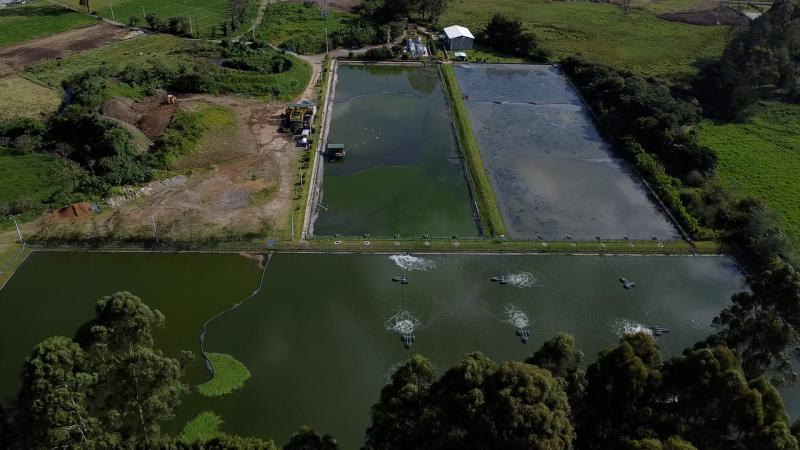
[(23, 55)]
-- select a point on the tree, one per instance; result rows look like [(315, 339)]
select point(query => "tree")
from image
[(307, 439), (53, 406), (707, 399), (397, 417), (563, 360), (621, 392), (474, 405), (106, 388)]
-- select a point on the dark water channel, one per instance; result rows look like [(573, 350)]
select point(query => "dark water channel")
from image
[(402, 173), (317, 337), (552, 173)]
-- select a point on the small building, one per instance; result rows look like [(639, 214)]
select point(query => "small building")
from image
[(4, 3), (460, 56), (457, 37), (335, 151)]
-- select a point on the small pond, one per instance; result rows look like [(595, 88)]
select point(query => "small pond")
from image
[(402, 173), (553, 174)]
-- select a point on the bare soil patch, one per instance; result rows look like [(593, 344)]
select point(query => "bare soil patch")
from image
[(238, 183), (20, 56), (151, 115), (721, 15)]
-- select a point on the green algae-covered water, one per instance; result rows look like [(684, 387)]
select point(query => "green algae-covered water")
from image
[(319, 336), (402, 173)]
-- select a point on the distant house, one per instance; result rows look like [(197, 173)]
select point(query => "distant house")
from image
[(458, 38), (4, 3)]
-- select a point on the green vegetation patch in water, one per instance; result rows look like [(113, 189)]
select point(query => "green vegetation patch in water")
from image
[(229, 375), (202, 428)]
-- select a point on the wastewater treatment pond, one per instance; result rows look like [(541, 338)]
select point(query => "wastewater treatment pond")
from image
[(320, 352), (402, 173), (552, 173)]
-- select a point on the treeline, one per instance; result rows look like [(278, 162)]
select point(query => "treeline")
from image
[(109, 387), (507, 35), (385, 11), (762, 61)]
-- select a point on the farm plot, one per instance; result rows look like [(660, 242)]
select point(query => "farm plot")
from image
[(604, 33), (37, 20)]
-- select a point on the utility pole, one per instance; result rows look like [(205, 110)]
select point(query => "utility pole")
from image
[(155, 234), (112, 10), (19, 234), (191, 30), (144, 16), (326, 41)]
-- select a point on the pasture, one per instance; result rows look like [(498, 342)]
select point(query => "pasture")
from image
[(603, 33), (761, 158), (37, 20), (207, 16), (22, 98)]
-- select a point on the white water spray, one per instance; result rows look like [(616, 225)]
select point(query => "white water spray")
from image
[(623, 327), (403, 323), (522, 279), (411, 263), (517, 317)]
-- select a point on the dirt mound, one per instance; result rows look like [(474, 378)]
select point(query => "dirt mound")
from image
[(75, 210), (721, 15), (152, 115)]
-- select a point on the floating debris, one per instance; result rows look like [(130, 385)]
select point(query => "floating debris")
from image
[(628, 284)]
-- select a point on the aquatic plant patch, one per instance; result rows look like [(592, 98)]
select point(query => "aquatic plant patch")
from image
[(229, 375), (202, 428)]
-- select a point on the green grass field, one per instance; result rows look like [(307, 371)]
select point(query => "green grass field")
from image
[(117, 56), (31, 178), (37, 20), (229, 375), (289, 21), (205, 14), (603, 33), (762, 158), (22, 98)]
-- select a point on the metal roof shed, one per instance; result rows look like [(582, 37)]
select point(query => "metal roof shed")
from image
[(458, 38)]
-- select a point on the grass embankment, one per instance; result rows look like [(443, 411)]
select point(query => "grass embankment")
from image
[(205, 14), (229, 375), (761, 158), (300, 28), (453, 246), (38, 20), (603, 33), (490, 216), (204, 427), (22, 98), (12, 255)]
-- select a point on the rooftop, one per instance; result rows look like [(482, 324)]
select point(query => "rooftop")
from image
[(457, 31)]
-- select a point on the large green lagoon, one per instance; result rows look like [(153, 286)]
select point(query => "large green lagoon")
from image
[(318, 338), (402, 173)]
